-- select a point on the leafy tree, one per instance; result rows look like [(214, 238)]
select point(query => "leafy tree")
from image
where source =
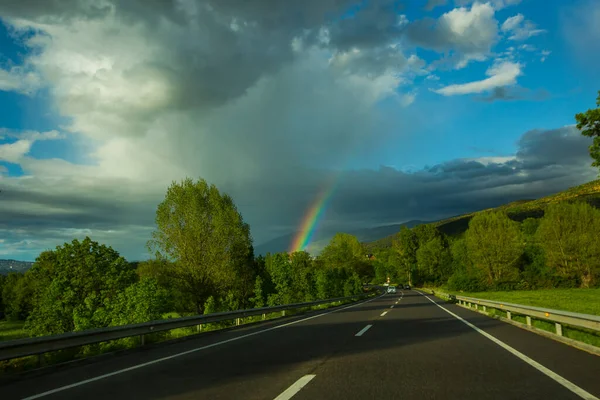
[(434, 260), (343, 251), (589, 125), (258, 300), (494, 245), (568, 233), (279, 268), (16, 295), (529, 226), (143, 301), (406, 245), (201, 231), (77, 285), (2, 282)]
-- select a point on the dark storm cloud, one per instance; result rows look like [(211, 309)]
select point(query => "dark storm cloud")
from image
[(514, 93)]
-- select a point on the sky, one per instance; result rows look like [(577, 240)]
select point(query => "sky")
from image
[(412, 109)]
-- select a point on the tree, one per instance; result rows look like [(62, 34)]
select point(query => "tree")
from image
[(16, 294), (406, 244), (201, 231), (494, 245), (568, 233), (434, 260), (343, 250), (77, 284), (589, 125)]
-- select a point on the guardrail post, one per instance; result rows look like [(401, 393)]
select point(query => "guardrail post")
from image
[(528, 318), (283, 313), (199, 328), (40, 360), (142, 340), (558, 329), (264, 316), (237, 322), (508, 316), (485, 308), (469, 304), (477, 306)]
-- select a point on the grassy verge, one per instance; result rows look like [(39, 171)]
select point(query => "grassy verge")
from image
[(586, 301), (28, 363), (11, 330)]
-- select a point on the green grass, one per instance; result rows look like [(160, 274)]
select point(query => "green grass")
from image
[(10, 330), (585, 301)]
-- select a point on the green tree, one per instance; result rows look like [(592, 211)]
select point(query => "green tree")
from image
[(201, 231), (494, 245), (258, 300), (343, 251), (77, 285), (589, 124), (568, 233), (17, 292), (434, 260), (142, 301), (406, 245), (529, 226)]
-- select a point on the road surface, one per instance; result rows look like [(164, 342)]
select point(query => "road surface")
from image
[(402, 346)]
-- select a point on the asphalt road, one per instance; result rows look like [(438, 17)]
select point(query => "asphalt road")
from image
[(403, 346)]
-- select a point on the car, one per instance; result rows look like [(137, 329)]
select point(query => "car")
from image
[(391, 289), (407, 287)]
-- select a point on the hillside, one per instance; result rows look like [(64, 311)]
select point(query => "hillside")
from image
[(517, 210), (7, 266), (321, 239)]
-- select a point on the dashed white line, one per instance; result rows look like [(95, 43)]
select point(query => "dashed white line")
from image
[(363, 330), (295, 388), (383, 313), (549, 373), (183, 353)]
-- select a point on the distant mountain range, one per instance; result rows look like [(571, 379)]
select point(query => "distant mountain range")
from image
[(321, 239), (7, 266)]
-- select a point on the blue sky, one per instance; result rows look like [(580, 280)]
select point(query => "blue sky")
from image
[(101, 110)]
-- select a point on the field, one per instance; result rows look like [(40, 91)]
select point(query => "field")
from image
[(586, 301), (10, 330)]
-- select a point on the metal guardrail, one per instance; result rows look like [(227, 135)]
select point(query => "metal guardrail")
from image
[(44, 344), (559, 317)]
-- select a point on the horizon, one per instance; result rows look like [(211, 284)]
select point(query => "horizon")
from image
[(399, 110)]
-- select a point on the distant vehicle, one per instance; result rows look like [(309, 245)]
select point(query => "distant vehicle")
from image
[(407, 287), (391, 289), (386, 284)]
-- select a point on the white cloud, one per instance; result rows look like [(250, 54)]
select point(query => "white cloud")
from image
[(14, 152), (519, 28), (469, 33), (497, 4), (500, 74), (17, 79), (544, 54)]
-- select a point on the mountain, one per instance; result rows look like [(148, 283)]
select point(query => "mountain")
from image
[(517, 210), (7, 266), (321, 239)]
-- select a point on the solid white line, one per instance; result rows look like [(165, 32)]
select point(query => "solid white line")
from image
[(183, 353), (382, 314), (363, 330), (551, 374), (295, 388)]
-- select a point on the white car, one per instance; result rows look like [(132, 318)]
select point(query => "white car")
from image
[(391, 289)]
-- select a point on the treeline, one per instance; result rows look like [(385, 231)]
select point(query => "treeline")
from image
[(561, 249), (203, 262)]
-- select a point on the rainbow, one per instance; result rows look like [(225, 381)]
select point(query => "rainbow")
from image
[(311, 219)]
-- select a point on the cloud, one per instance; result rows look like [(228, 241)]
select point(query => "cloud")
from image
[(470, 33), (515, 93), (17, 79), (431, 4), (500, 74), (519, 28), (497, 4), (544, 55)]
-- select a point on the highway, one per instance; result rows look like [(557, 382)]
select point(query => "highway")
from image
[(399, 346)]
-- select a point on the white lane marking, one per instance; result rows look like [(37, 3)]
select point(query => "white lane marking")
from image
[(551, 374), (392, 306), (295, 388), (183, 353), (383, 313), (363, 330)]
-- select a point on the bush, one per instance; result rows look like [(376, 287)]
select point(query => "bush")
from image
[(460, 280)]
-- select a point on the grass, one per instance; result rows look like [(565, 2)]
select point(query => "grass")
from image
[(585, 301), (11, 330)]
